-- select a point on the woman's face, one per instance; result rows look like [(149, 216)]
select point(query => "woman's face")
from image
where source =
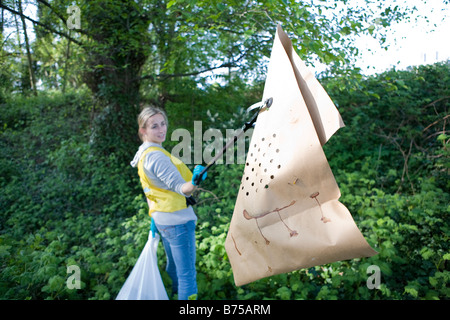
[(155, 129)]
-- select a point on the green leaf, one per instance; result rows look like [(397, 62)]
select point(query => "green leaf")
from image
[(412, 290), (284, 293)]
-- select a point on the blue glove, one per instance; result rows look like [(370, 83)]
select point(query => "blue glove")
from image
[(153, 228), (197, 170)]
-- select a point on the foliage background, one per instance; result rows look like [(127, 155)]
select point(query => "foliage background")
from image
[(69, 197)]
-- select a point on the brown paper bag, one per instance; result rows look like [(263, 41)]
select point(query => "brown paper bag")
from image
[(287, 214)]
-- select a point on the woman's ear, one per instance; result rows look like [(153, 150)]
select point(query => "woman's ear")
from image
[(142, 132)]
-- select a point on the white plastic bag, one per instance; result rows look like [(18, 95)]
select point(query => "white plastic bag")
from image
[(144, 281)]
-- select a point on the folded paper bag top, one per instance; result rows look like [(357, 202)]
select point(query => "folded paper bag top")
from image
[(287, 214)]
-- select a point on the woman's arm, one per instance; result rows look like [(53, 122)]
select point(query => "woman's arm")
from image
[(160, 166), (164, 173), (188, 188)]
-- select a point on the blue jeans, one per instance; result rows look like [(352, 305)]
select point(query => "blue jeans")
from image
[(179, 244)]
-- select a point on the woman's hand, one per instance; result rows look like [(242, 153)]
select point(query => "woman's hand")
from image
[(189, 187), (197, 170)]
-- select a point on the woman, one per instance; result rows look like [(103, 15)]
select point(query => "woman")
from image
[(167, 182)]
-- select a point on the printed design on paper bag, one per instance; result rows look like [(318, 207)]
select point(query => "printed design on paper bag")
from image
[(248, 216), (235, 246), (265, 158), (314, 196)]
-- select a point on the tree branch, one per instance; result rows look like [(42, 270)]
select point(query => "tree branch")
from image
[(435, 122), (164, 76), (41, 24), (45, 3), (60, 16), (405, 155)]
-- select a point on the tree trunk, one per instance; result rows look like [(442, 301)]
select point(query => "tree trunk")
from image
[(27, 46), (115, 59), (1, 23), (66, 66)]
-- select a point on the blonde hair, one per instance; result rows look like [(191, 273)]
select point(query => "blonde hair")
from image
[(145, 114)]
